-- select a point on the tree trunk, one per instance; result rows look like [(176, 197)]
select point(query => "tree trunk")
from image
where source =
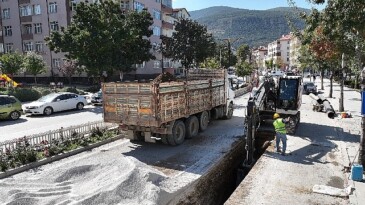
[(69, 80), (322, 76), (35, 79), (331, 83), (121, 75)]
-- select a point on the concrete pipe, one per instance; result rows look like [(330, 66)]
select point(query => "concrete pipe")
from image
[(316, 98), (328, 109)]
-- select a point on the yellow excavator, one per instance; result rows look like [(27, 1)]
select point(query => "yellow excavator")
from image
[(8, 79)]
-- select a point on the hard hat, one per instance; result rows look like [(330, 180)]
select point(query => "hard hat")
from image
[(276, 115)]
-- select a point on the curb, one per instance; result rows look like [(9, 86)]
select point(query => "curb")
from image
[(55, 158)]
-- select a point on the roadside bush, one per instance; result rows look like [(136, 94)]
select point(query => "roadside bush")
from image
[(3, 165), (348, 82), (24, 94), (93, 89), (72, 90)]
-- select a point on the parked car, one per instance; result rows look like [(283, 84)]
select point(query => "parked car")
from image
[(309, 87), (55, 102), (97, 98), (10, 107)]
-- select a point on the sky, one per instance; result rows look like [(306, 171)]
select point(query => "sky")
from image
[(192, 5)]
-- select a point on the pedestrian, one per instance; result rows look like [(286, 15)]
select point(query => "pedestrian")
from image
[(314, 77), (280, 129)]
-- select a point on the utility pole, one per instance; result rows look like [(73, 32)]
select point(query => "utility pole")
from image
[(361, 159), (229, 48), (362, 139), (341, 107)]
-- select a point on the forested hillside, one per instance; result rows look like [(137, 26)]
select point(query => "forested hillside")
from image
[(257, 27)]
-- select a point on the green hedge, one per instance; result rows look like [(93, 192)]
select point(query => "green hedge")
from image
[(23, 94)]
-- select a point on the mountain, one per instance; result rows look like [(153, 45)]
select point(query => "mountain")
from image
[(257, 27)]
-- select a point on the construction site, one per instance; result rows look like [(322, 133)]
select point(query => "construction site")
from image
[(230, 162)]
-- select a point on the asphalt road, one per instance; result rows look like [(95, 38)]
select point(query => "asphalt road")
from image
[(28, 125)]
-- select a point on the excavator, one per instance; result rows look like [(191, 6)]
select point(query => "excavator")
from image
[(8, 79), (281, 95)]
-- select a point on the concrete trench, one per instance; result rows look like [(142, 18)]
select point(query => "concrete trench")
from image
[(216, 186)]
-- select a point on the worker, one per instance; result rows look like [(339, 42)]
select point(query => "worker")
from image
[(280, 129)]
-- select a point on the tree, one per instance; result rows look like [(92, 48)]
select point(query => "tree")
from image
[(191, 43), (68, 68), (212, 63), (34, 64), (225, 58), (11, 63), (102, 38), (243, 52), (270, 63), (243, 69)]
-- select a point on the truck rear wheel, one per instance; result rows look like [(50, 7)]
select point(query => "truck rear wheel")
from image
[(178, 133), (164, 139), (229, 113), (192, 127), (203, 120)]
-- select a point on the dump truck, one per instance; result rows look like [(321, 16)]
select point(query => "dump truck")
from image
[(167, 109)]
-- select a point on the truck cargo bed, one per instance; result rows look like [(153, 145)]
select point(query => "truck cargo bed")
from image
[(154, 103)]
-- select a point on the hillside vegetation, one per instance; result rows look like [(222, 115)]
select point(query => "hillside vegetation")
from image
[(257, 27)]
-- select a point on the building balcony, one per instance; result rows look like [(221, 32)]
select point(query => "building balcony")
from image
[(166, 9), (24, 1), (27, 36), (167, 25), (26, 19)]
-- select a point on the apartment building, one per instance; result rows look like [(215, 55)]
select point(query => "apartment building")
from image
[(295, 45), (258, 56), (25, 24), (279, 52)]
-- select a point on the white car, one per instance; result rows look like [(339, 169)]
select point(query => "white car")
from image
[(55, 102)]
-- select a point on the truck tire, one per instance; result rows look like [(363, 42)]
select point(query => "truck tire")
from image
[(137, 136), (191, 127), (229, 114), (203, 120), (178, 134), (164, 139)]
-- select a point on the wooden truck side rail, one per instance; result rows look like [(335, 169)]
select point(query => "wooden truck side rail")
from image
[(150, 105)]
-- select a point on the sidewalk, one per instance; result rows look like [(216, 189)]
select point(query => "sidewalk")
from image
[(319, 154)]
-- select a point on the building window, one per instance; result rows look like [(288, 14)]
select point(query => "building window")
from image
[(156, 30), (156, 64), (156, 14), (27, 29), (73, 5), (39, 46), (28, 46), (287, 59), (1, 48), (25, 10), (38, 28), (8, 31), (138, 6), (52, 7), (6, 13), (9, 47), (56, 63), (37, 9), (54, 26), (140, 65), (124, 5)]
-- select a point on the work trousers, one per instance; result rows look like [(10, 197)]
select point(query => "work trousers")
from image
[(282, 137)]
